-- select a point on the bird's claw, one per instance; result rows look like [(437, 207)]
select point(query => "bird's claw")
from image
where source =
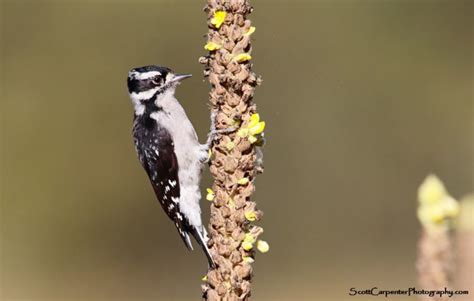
[(215, 133)]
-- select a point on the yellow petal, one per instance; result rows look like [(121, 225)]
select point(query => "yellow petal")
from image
[(431, 190), (423, 216), (249, 238), (248, 259), (254, 120), (252, 139), (250, 31), (204, 278), (242, 57), (210, 194), (230, 145), (243, 132), (436, 214), (436, 207), (250, 216), (211, 46), (450, 207), (243, 181), (257, 129), (218, 18), (263, 246), (431, 215), (247, 245)]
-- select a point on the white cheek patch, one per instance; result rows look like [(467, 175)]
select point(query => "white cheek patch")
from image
[(144, 75), (137, 99), (144, 95)]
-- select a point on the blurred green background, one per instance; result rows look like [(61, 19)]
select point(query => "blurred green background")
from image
[(362, 100)]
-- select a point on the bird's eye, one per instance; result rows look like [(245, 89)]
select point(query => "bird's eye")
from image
[(156, 80)]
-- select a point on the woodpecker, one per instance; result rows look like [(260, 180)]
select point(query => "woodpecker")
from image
[(168, 149)]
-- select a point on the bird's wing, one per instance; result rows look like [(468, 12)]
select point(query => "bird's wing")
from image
[(160, 162)]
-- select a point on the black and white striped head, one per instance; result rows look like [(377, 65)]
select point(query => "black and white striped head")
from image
[(146, 83)]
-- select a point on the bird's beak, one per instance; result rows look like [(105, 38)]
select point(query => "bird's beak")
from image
[(180, 77)]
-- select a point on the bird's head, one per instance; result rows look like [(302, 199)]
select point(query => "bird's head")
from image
[(146, 83)]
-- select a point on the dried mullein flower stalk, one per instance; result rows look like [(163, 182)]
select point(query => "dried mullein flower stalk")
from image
[(235, 157)]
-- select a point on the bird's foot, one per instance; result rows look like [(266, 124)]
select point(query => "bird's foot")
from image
[(216, 133)]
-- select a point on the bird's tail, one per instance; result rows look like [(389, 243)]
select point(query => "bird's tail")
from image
[(201, 237)]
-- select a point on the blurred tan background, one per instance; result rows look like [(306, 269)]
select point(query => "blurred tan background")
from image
[(362, 100)]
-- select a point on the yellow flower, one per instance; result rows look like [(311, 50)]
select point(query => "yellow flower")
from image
[(436, 207), (248, 242), (248, 259), (211, 46), (210, 194), (431, 215), (243, 181), (247, 245), (263, 246), (204, 278), (242, 57), (254, 120), (257, 129), (250, 215), (250, 31), (431, 190), (249, 238), (218, 18), (255, 125), (253, 128)]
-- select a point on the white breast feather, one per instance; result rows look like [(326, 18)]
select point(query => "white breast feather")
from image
[(187, 149)]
